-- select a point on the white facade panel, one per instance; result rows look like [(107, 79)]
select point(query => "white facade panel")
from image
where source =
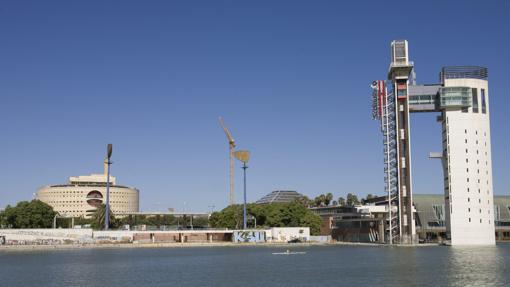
[(468, 169)]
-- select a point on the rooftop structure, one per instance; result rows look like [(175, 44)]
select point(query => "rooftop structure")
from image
[(280, 196)]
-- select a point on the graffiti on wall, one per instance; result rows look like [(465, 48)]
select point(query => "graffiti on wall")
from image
[(249, 236)]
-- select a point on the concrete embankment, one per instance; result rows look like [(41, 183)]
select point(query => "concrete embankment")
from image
[(151, 245), (190, 245)]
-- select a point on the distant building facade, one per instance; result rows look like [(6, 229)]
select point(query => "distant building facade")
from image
[(353, 223), (432, 214), (81, 196), (367, 223), (280, 196)]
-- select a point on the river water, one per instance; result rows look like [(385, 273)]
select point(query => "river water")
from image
[(257, 266)]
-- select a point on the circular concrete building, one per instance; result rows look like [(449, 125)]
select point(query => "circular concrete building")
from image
[(81, 196)]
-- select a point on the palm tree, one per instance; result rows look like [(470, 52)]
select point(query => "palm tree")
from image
[(99, 217), (328, 198)]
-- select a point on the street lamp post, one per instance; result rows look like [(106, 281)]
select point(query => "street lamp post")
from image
[(244, 196), (107, 211), (243, 156)]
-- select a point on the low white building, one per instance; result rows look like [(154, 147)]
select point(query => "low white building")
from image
[(286, 234)]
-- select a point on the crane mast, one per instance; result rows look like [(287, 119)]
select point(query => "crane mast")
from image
[(231, 145)]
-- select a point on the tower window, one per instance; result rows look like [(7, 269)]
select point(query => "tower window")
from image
[(475, 100), (484, 104)]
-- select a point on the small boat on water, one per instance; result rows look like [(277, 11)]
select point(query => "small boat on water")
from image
[(288, 252)]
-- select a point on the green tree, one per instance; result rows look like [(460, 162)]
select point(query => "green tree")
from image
[(328, 198), (82, 221), (341, 201), (99, 216), (323, 200), (33, 214), (369, 196), (200, 221), (352, 199), (293, 214), (313, 221), (320, 200), (230, 217), (304, 200)]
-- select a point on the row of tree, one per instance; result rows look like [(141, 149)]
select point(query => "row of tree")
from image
[(293, 214), (37, 214), (157, 221), (328, 200)]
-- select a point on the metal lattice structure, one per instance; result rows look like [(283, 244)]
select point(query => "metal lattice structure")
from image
[(231, 148), (280, 196), (383, 109)]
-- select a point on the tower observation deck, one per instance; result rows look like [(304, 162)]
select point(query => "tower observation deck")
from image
[(461, 99)]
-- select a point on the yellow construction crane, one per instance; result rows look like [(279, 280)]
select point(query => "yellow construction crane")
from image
[(231, 145)]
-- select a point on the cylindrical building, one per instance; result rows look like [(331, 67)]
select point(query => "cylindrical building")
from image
[(83, 194)]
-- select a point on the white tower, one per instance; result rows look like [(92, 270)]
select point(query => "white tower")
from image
[(462, 98), (469, 201)]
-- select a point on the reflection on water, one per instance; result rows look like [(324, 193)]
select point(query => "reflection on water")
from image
[(257, 266), (477, 266)]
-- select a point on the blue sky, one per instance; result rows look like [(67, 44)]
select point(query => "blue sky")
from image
[(290, 78)]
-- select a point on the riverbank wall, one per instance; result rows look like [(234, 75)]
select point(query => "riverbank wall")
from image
[(36, 237)]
